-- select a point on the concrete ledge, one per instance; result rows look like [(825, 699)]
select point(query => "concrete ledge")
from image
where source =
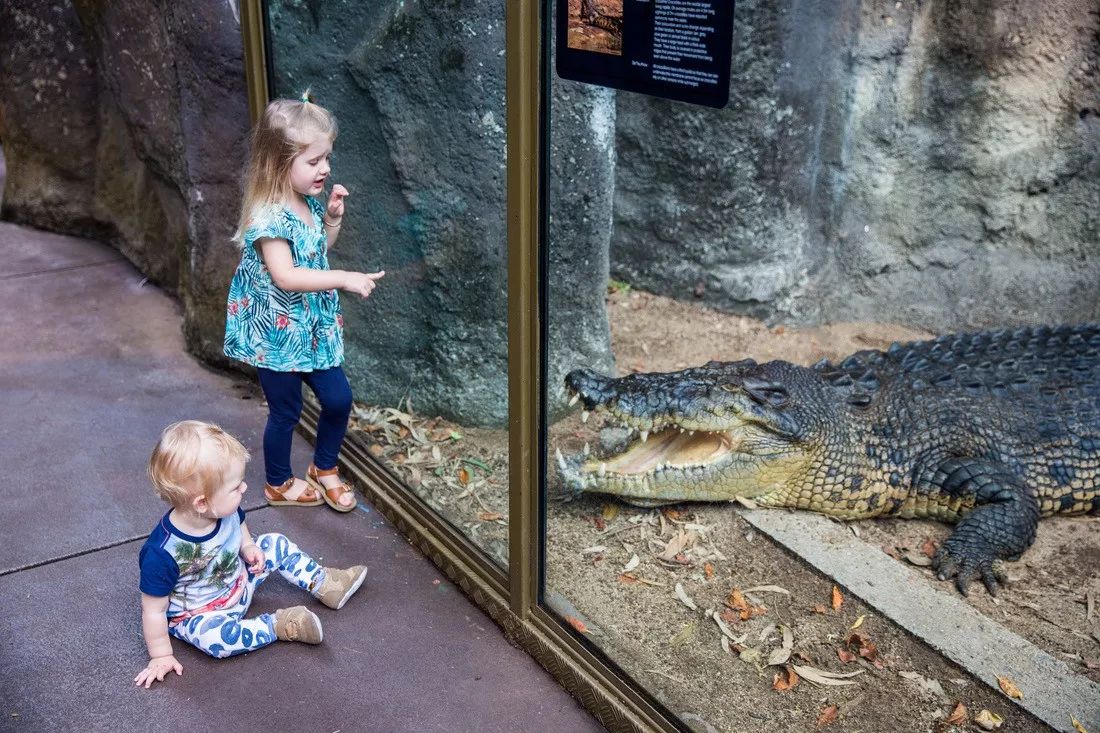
[(1052, 692)]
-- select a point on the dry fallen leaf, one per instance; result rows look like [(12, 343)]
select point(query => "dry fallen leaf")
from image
[(677, 545), (1077, 725), (577, 624), (708, 570), (823, 677), (767, 588), (782, 654), (627, 579), (785, 680), (958, 716), (631, 564), (827, 716), (683, 635), (684, 598), (989, 720), (845, 655), (863, 645), (726, 632), (918, 558), (858, 623), (736, 600), (489, 516), (1009, 689), (610, 511), (837, 598), (463, 476)]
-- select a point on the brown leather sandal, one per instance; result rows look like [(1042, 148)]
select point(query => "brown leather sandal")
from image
[(276, 495), (330, 496)]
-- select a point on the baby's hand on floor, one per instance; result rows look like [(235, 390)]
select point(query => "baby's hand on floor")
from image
[(254, 556), (158, 667)]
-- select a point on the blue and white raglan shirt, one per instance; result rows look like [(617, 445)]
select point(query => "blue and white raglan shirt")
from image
[(200, 574)]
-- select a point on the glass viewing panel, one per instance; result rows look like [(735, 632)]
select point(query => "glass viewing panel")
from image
[(418, 93), (894, 177)]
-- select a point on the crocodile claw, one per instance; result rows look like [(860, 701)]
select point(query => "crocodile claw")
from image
[(966, 564)]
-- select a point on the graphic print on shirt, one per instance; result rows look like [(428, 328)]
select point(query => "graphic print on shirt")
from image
[(276, 329), (213, 571)]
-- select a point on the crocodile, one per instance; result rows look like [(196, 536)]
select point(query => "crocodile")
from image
[(989, 430), (612, 24)]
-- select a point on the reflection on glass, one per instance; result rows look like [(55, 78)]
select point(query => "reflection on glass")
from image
[(418, 91), (882, 177)]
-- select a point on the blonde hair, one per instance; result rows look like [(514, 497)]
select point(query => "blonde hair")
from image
[(190, 459), (288, 127)]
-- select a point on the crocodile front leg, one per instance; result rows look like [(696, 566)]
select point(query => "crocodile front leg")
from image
[(1000, 527)]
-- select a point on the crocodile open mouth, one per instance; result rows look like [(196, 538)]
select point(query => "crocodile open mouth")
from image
[(656, 451), (648, 453)]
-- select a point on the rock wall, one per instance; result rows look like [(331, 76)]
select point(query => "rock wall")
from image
[(126, 121), (929, 163)]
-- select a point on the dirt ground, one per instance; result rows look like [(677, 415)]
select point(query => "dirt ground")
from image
[(625, 576)]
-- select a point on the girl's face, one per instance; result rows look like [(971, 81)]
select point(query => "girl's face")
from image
[(310, 168)]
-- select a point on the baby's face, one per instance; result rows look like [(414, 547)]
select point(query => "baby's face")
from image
[(227, 497), (310, 167)]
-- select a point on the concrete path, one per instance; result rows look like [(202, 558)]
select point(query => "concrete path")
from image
[(92, 367)]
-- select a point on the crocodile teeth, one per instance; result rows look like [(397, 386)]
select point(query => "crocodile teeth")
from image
[(574, 399), (603, 469), (561, 459), (587, 450), (645, 435), (584, 415)]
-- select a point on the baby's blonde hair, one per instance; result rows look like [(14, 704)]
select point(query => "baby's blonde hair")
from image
[(288, 127), (191, 458)]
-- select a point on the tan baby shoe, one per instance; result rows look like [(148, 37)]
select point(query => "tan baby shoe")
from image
[(298, 623), (339, 585)]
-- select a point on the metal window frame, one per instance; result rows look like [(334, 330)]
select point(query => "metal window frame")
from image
[(510, 598)]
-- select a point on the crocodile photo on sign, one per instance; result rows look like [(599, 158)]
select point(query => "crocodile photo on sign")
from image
[(990, 430)]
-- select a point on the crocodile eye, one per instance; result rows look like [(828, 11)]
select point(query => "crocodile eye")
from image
[(766, 393)]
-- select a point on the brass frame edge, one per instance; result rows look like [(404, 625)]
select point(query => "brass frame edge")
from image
[(255, 57), (522, 101), (594, 685)]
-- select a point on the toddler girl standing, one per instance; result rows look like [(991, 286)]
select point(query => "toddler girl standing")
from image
[(284, 313)]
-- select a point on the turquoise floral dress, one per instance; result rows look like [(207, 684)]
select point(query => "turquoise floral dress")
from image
[(276, 329)]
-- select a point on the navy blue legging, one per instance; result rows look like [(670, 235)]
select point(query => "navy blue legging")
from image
[(283, 391)]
